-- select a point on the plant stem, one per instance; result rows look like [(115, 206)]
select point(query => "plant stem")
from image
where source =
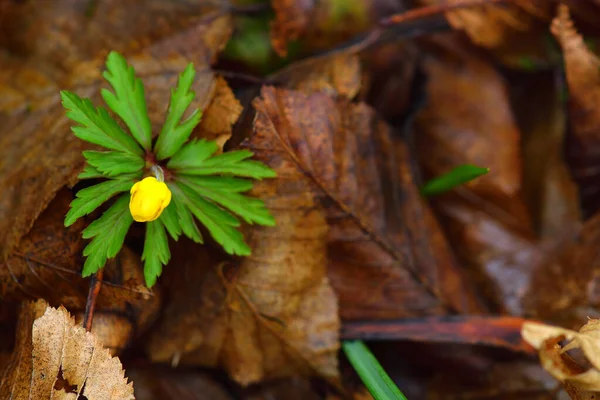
[(90, 305)]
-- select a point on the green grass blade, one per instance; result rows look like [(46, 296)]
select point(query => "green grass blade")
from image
[(377, 381), (458, 176)]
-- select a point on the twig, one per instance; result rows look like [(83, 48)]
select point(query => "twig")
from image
[(90, 305)]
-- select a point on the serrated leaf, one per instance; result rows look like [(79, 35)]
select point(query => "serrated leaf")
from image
[(97, 126), (377, 381), (108, 234), (216, 189), (193, 153), (90, 172), (220, 223), (184, 215), (170, 221), (128, 100), (195, 159), (156, 251), (92, 197), (114, 163), (175, 133), (458, 176)]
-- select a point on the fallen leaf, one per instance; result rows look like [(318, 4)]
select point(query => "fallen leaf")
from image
[(52, 351), (335, 75), (292, 19), (467, 119), (47, 264), (510, 31), (582, 69), (553, 357), (387, 257)]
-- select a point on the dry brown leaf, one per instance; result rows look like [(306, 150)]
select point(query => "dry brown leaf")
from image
[(39, 153), (511, 31), (553, 357), (51, 350), (468, 120), (551, 193), (47, 264), (386, 256), (220, 114), (292, 19), (336, 75), (583, 77)]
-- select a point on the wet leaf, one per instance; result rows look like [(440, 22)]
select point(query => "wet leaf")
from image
[(54, 358), (488, 222), (387, 257)]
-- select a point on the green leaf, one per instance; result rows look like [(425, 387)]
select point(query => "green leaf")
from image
[(90, 172), (128, 100), (195, 159), (193, 153), (184, 215), (223, 191), (114, 163), (108, 234), (458, 176), (170, 220), (156, 251), (174, 134), (377, 381), (97, 126), (220, 223), (92, 197)]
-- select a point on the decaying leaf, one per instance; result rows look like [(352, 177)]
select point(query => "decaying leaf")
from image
[(511, 31), (553, 356), (54, 358), (387, 257), (335, 75), (467, 120), (292, 19), (47, 264), (582, 69)]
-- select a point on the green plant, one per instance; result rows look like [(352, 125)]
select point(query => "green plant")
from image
[(200, 183), (456, 177)]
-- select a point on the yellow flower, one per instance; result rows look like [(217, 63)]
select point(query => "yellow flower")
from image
[(149, 198)]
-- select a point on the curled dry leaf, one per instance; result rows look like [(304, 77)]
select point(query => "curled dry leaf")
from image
[(583, 76), (556, 361), (468, 120), (55, 358)]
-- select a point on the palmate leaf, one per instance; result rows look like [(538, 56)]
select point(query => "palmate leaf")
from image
[(114, 163), (156, 251), (184, 215), (128, 100), (196, 158), (224, 191), (220, 223), (108, 234), (173, 133), (97, 126), (92, 197)]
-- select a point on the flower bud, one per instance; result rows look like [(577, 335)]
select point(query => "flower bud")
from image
[(149, 198)]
